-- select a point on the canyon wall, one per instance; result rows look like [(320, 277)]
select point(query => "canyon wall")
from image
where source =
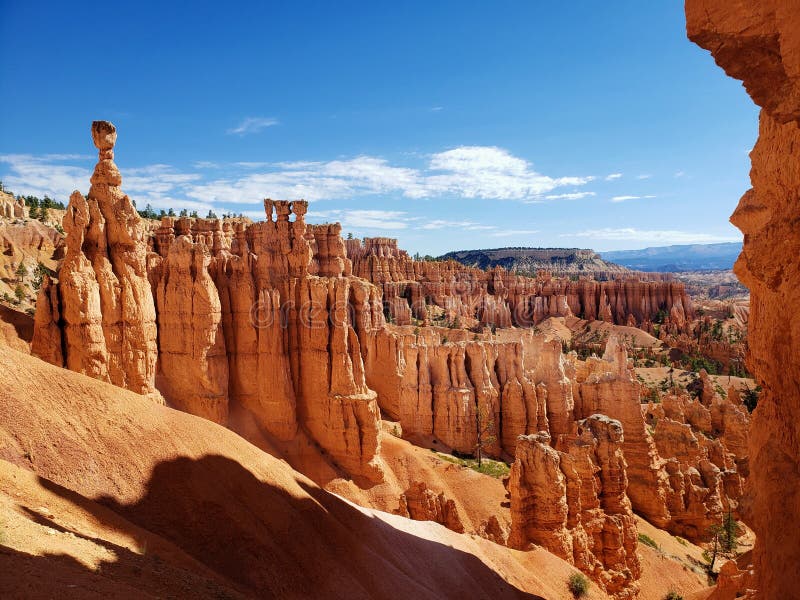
[(452, 292), (759, 43), (279, 321)]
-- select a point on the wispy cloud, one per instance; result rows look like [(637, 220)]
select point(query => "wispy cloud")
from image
[(467, 172), (613, 176), (570, 196), (651, 236), (679, 174), (45, 174), (488, 172), (626, 198), (252, 125), (644, 176), (365, 219)]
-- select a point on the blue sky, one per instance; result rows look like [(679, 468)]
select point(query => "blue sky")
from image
[(449, 125)]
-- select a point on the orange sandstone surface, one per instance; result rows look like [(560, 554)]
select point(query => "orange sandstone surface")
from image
[(759, 43)]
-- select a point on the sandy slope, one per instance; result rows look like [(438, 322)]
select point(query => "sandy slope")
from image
[(137, 499)]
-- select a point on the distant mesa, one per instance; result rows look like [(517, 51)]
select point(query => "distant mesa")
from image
[(672, 259), (530, 260)]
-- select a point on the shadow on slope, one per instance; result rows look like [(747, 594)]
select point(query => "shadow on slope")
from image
[(273, 544)]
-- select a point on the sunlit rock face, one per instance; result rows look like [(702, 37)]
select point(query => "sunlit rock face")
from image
[(210, 313), (571, 499), (759, 43)]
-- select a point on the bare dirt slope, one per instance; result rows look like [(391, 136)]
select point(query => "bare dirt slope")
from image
[(131, 499)]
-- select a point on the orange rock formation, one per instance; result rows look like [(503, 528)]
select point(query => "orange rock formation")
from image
[(11, 208), (284, 330), (571, 499), (502, 298), (759, 43), (259, 319)]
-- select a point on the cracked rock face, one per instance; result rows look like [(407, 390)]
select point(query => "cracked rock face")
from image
[(759, 43)]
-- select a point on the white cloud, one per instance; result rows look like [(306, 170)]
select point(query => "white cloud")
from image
[(624, 198), (679, 174), (488, 172), (364, 219), (613, 176), (644, 176), (40, 175), (651, 236), (337, 179), (472, 172), (570, 196), (252, 125)]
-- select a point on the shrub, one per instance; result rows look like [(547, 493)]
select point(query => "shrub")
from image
[(672, 595), (750, 398), (648, 541), (578, 584)]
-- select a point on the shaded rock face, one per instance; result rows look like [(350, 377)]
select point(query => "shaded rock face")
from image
[(423, 504), (211, 313), (502, 298), (759, 43), (571, 499)]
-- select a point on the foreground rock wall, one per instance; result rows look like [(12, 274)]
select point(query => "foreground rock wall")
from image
[(501, 298), (759, 43)]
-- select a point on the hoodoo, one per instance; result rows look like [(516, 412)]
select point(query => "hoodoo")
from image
[(254, 309)]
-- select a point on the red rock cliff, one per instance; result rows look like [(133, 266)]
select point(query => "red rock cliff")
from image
[(759, 43)]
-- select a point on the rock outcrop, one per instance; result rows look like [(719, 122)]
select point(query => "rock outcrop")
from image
[(759, 43), (608, 386), (423, 504), (106, 308), (686, 458), (571, 499), (124, 296), (11, 207)]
